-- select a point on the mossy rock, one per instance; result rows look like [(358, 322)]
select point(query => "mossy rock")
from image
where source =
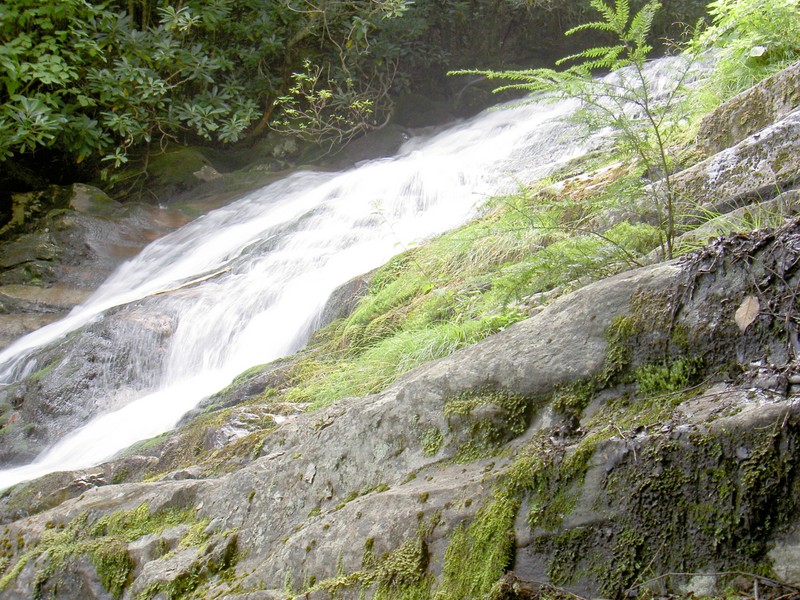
[(176, 168), (28, 208), (750, 111), (91, 200)]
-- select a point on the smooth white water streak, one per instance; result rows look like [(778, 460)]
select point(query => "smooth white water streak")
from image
[(278, 253)]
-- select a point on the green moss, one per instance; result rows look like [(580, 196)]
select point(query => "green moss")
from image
[(349, 498), (146, 446), (482, 421), (572, 398), (695, 505), (571, 548), (134, 524), (638, 336), (432, 440), (176, 167), (113, 564), (668, 376), (197, 535), (480, 553), (404, 567), (378, 488), (42, 373), (190, 582), (15, 570), (549, 479), (102, 542), (191, 449), (401, 574), (629, 559)]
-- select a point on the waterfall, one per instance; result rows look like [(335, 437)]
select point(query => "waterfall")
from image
[(243, 285)]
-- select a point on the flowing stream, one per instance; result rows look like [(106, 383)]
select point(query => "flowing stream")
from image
[(246, 282)]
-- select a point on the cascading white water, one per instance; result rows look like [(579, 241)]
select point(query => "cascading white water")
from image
[(248, 280)]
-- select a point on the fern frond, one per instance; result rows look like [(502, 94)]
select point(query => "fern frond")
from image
[(621, 16), (470, 72), (511, 75), (609, 14), (594, 52), (608, 63), (543, 80), (642, 51), (596, 26), (642, 22)]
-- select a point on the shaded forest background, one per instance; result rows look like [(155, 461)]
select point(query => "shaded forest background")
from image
[(86, 87)]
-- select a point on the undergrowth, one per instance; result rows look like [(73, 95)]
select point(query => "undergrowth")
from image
[(752, 40)]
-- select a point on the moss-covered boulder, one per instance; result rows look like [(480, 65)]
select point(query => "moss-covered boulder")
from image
[(177, 170)]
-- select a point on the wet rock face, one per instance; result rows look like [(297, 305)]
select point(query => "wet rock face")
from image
[(54, 262), (56, 258), (80, 377), (756, 169), (703, 491)]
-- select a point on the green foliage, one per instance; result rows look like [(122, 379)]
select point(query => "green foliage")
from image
[(631, 36), (572, 258), (752, 39), (88, 80), (374, 368), (82, 79)]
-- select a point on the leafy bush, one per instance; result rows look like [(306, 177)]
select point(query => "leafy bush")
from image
[(82, 79), (86, 80)]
